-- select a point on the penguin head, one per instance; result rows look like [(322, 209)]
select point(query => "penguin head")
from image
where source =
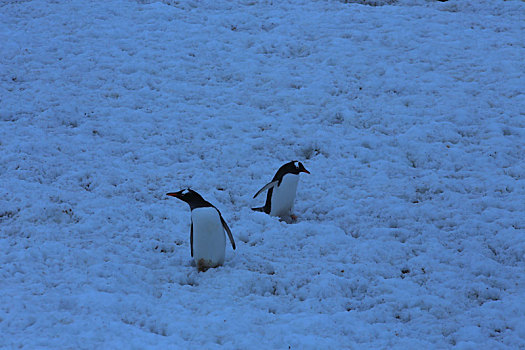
[(295, 167), (191, 197)]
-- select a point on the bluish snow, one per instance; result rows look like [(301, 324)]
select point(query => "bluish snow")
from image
[(409, 116)]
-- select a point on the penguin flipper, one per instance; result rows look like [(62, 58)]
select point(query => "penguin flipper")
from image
[(267, 186), (228, 231), (191, 238)]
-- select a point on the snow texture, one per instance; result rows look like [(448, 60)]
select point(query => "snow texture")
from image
[(410, 117)]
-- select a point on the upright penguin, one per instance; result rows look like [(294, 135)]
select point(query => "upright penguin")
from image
[(282, 189), (207, 239)]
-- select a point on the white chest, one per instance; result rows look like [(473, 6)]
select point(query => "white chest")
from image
[(283, 196), (209, 241)]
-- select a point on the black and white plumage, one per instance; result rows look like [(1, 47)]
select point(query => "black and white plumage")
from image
[(207, 238), (282, 190)]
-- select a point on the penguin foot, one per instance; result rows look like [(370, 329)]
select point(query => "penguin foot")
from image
[(202, 265), (289, 219)]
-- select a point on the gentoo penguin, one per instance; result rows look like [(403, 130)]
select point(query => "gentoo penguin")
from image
[(207, 239), (281, 191)]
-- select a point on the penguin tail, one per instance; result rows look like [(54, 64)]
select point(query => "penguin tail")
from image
[(258, 209)]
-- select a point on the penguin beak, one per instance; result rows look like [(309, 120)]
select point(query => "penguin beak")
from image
[(174, 194), (305, 171)]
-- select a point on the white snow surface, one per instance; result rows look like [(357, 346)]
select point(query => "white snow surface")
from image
[(409, 116)]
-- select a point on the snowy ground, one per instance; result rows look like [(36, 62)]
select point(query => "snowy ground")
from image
[(410, 117)]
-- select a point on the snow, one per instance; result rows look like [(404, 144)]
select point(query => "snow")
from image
[(409, 116)]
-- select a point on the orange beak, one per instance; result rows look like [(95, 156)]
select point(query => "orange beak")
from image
[(303, 169)]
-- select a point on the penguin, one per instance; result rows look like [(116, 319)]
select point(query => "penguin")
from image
[(207, 240), (281, 190)]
